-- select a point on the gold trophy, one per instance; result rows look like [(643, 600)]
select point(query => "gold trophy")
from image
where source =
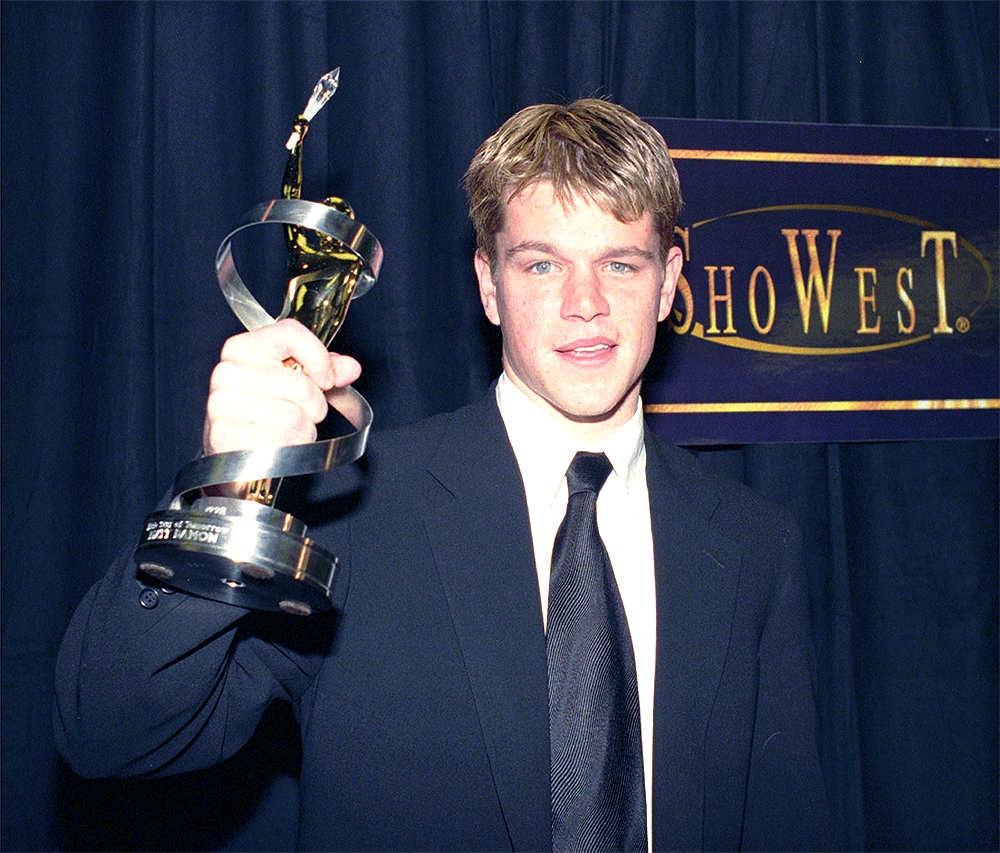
[(239, 548)]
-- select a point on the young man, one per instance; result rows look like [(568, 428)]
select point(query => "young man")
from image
[(516, 660)]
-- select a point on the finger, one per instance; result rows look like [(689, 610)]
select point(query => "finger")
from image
[(230, 434), (279, 341), (260, 409), (345, 370), (262, 386)]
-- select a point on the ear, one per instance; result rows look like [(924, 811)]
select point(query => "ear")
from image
[(487, 287), (671, 274)]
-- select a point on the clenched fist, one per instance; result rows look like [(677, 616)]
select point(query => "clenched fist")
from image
[(255, 400)]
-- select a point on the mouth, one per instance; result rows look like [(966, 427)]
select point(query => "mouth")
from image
[(588, 350)]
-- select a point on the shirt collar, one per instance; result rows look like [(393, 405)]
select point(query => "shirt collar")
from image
[(544, 447)]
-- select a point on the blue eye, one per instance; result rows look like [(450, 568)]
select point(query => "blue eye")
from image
[(541, 267), (620, 266)]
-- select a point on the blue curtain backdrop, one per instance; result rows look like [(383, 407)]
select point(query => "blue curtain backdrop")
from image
[(135, 134)]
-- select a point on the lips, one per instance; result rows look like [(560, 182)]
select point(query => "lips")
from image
[(587, 349)]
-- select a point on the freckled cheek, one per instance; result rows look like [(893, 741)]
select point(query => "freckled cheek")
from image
[(516, 305), (529, 313)]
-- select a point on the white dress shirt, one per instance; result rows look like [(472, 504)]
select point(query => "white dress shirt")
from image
[(544, 448)]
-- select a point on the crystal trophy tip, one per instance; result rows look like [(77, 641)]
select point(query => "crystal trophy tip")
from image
[(322, 92), (325, 87)]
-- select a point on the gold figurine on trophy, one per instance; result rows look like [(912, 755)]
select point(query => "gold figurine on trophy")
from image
[(322, 273)]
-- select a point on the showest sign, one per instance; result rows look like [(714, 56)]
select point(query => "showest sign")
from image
[(840, 283)]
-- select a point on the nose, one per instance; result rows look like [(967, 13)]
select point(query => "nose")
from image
[(583, 297)]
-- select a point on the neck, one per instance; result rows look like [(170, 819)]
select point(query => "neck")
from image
[(588, 429)]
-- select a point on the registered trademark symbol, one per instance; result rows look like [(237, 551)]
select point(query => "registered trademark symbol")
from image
[(962, 324)]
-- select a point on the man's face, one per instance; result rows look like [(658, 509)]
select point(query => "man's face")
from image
[(577, 294)]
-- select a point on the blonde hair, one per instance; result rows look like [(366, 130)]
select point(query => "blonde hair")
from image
[(590, 146)]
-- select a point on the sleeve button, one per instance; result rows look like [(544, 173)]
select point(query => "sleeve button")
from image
[(149, 598)]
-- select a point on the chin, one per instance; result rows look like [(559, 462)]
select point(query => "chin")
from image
[(591, 410)]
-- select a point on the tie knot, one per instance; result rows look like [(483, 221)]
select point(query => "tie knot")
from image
[(587, 472)]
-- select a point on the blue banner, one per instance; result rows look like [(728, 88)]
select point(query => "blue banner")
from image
[(840, 284)]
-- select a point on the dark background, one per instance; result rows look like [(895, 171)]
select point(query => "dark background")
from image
[(135, 135)]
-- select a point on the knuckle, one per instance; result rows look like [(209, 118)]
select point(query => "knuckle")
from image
[(218, 436), (221, 404), (318, 409), (304, 422), (302, 386), (233, 346), (222, 375), (213, 406), (307, 435)]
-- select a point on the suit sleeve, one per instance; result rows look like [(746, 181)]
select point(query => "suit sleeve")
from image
[(787, 805), (177, 686)]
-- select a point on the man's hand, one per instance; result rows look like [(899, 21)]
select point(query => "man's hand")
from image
[(254, 400)]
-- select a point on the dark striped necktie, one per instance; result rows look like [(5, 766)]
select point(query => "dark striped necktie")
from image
[(598, 794)]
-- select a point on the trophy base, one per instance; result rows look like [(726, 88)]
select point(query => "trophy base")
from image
[(238, 552)]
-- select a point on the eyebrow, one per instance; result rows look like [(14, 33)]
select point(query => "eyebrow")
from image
[(626, 252), (529, 246)]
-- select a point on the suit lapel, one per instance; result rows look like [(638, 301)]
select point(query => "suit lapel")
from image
[(477, 525), (697, 570)]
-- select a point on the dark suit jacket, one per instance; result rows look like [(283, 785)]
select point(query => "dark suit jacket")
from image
[(423, 701)]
